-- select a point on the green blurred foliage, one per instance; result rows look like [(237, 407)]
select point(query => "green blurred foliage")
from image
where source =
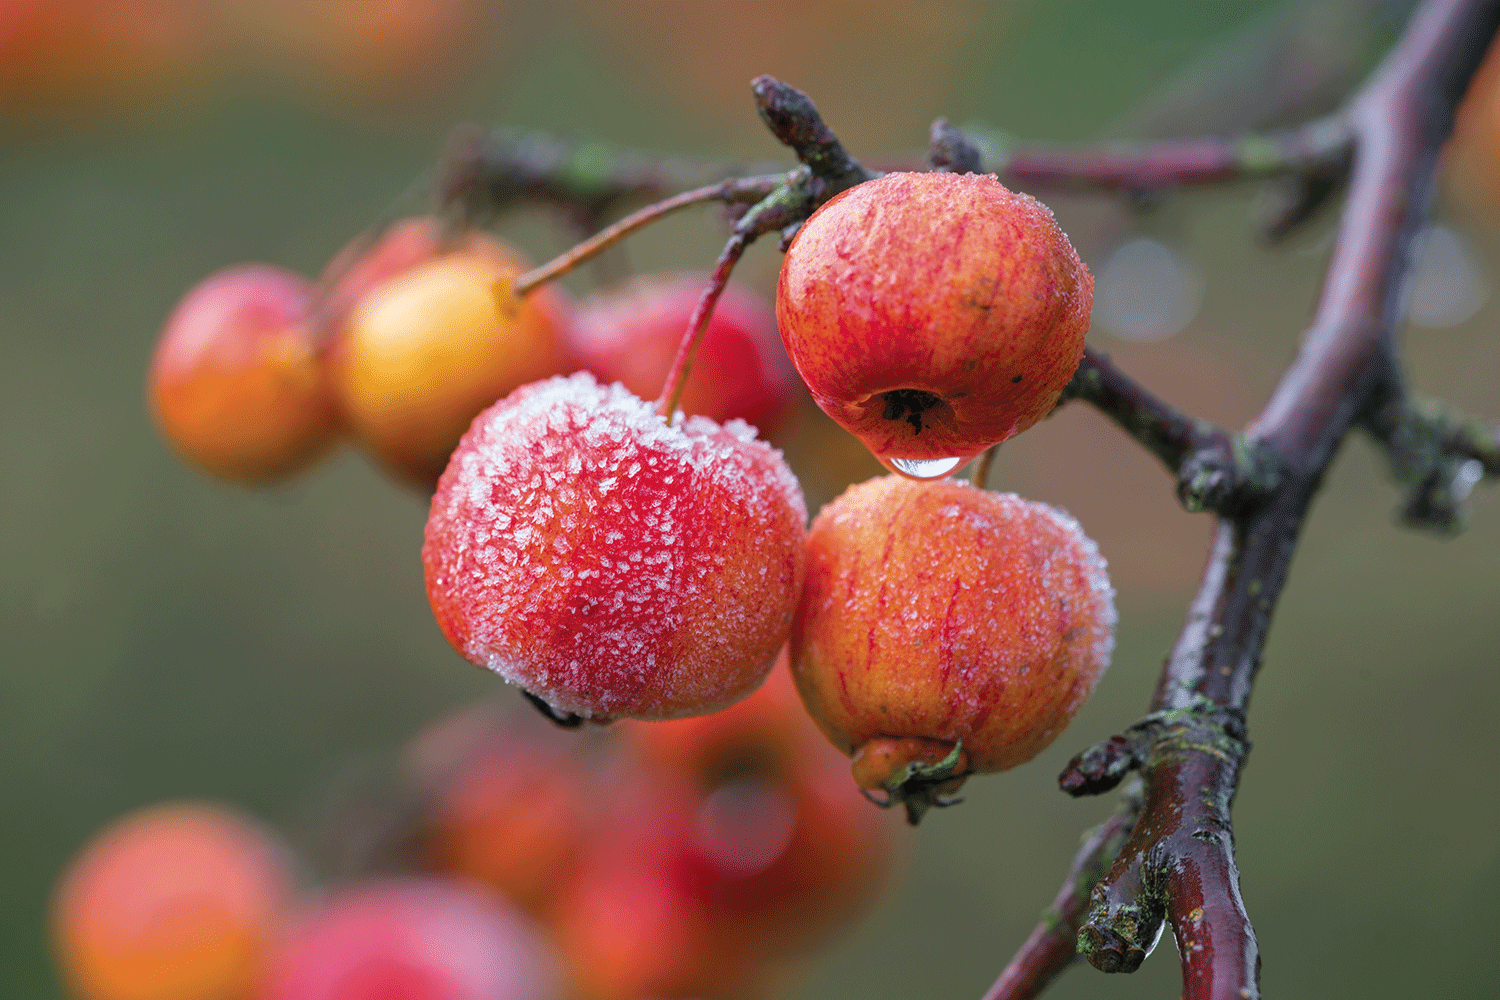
[(163, 636)]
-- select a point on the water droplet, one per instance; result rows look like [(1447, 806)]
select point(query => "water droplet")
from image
[(1144, 292), (925, 468), (1446, 287), (744, 826), (1156, 940)]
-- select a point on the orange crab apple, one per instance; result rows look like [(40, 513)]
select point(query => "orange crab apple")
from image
[(945, 630), (630, 334), (421, 354), (611, 564), (179, 901), (933, 315), (236, 383)]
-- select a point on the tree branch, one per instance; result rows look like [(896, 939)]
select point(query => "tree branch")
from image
[(1051, 947), (1319, 145), (1216, 469), (1178, 863)]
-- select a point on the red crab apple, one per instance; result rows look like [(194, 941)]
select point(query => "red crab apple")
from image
[(787, 849), (236, 383), (175, 902), (633, 918), (412, 939), (945, 630), (508, 810), (611, 564), (933, 315), (630, 334)]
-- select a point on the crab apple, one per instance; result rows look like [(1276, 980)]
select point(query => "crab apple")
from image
[(630, 334), (363, 265), (175, 902), (933, 315), (611, 564), (421, 354), (511, 813), (945, 630), (633, 921), (788, 848), (236, 383), (412, 939)]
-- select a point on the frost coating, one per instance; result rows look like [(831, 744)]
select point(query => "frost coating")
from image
[(612, 565)]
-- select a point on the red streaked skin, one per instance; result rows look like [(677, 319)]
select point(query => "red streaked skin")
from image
[(420, 355), (935, 612), (630, 334), (610, 564), (178, 901), (236, 383), (413, 939), (945, 284)]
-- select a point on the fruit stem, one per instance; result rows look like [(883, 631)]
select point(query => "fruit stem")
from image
[(979, 475), (734, 189), (671, 392), (610, 235)]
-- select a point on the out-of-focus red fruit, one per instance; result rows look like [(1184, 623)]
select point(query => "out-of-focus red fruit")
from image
[(237, 384), (936, 613), (933, 315), (410, 939), (631, 334), (421, 354), (633, 922), (788, 848), (57, 54), (364, 48), (511, 814), (610, 564), (1472, 155), (175, 902), (916, 51)]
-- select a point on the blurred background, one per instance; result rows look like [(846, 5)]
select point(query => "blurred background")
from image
[(164, 636)]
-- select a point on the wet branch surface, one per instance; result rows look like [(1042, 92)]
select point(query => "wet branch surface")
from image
[(1178, 862)]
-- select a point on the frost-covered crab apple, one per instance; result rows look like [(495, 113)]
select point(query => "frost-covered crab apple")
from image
[(945, 630), (610, 564), (933, 315)]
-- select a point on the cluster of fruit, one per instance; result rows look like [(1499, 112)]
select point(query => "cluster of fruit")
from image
[(617, 559), (614, 564), (259, 370), (697, 858), (64, 53)]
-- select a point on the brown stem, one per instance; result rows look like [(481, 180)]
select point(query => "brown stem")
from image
[(671, 392), (1215, 469), (731, 190)]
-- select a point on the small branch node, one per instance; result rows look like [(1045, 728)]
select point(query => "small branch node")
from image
[(952, 152), (794, 120), (1439, 457)]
